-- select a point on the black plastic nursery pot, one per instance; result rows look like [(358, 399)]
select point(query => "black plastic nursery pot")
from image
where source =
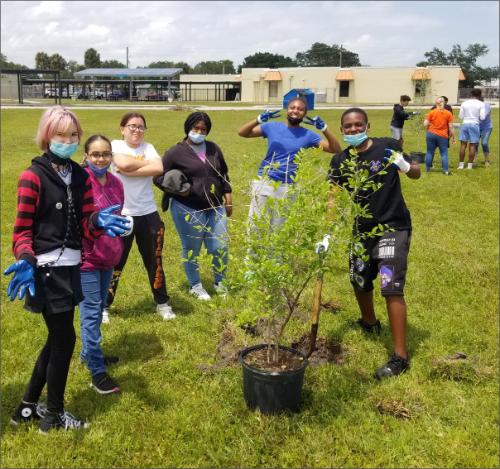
[(417, 156), (272, 392)]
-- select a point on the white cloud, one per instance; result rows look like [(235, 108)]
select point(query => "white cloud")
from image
[(381, 33), (47, 9)]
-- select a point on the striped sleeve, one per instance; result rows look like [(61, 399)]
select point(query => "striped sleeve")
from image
[(89, 212), (28, 190)]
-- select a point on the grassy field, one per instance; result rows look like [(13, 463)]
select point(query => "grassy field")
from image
[(172, 412)]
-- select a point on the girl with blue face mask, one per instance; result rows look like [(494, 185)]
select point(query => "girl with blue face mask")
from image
[(208, 202), (56, 215), (99, 258)]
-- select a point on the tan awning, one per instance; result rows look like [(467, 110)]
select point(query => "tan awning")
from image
[(421, 74), (344, 75), (461, 75), (272, 75)]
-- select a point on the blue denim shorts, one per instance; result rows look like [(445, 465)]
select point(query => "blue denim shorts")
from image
[(469, 132)]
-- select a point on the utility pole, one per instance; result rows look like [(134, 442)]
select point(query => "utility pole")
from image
[(127, 55), (340, 61)]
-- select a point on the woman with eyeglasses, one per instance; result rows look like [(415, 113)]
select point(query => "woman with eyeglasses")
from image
[(141, 206), (98, 260)]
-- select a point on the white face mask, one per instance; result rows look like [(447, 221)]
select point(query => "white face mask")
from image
[(196, 138)]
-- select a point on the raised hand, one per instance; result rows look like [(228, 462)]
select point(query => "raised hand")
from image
[(113, 225), (24, 279), (319, 123), (396, 159), (266, 115)]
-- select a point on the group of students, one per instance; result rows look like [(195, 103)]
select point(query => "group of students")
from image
[(71, 248), (475, 129)]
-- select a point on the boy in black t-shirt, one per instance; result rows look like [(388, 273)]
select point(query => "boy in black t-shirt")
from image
[(387, 253)]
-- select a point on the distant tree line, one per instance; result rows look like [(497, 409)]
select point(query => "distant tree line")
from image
[(466, 59), (318, 55)]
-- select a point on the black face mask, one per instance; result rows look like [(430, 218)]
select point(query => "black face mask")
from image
[(55, 159), (294, 120)]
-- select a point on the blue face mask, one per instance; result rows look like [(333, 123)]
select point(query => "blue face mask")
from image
[(63, 150), (355, 140), (196, 138), (99, 172)]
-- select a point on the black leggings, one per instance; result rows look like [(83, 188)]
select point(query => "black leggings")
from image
[(52, 365), (148, 233)]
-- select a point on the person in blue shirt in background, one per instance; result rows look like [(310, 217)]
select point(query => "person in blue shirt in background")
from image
[(485, 129), (284, 141)]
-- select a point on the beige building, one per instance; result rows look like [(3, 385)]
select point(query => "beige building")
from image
[(355, 85)]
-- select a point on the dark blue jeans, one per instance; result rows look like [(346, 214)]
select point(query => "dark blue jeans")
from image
[(435, 141), (198, 227), (95, 285)]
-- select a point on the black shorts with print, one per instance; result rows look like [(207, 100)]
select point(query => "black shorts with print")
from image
[(388, 257)]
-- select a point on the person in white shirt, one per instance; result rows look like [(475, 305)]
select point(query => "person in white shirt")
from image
[(139, 203), (471, 112)]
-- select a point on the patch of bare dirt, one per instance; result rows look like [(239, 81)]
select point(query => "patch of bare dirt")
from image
[(325, 350)]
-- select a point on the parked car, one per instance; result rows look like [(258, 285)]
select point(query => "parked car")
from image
[(83, 95), (54, 93), (116, 95)]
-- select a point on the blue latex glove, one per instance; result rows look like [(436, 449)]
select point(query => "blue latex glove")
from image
[(24, 278), (397, 160), (113, 225), (319, 123), (266, 115)]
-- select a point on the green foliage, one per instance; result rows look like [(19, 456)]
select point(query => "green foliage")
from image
[(214, 67), (92, 58), (4, 63), (323, 55), (281, 258), (466, 59), (186, 68), (112, 64), (266, 60)]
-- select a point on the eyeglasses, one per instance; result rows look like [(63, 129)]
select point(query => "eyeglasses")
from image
[(138, 128), (101, 154)]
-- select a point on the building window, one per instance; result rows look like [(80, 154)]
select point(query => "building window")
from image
[(344, 89), (273, 89)]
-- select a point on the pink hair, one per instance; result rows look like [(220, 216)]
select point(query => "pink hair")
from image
[(55, 119)]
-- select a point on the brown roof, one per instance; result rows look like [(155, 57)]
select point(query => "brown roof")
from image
[(461, 75)]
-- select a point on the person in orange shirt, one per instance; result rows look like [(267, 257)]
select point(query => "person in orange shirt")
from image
[(439, 125)]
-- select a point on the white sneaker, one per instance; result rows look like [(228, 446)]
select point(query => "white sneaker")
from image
[(199, 292), (105, 316), (460, 166), (165, 311), (221, 289)]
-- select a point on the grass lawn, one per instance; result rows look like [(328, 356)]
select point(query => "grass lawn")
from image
[(173, 413)]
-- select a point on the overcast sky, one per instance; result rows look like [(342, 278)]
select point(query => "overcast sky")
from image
[(382, 33)]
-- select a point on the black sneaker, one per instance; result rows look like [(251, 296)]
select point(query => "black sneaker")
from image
[(28, 413), (104, 384), (111, 359), (60, 420), (369, 328), (395, 366)]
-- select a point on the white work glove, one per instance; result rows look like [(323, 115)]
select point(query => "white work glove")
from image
[(397, 159), (322, 246)]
